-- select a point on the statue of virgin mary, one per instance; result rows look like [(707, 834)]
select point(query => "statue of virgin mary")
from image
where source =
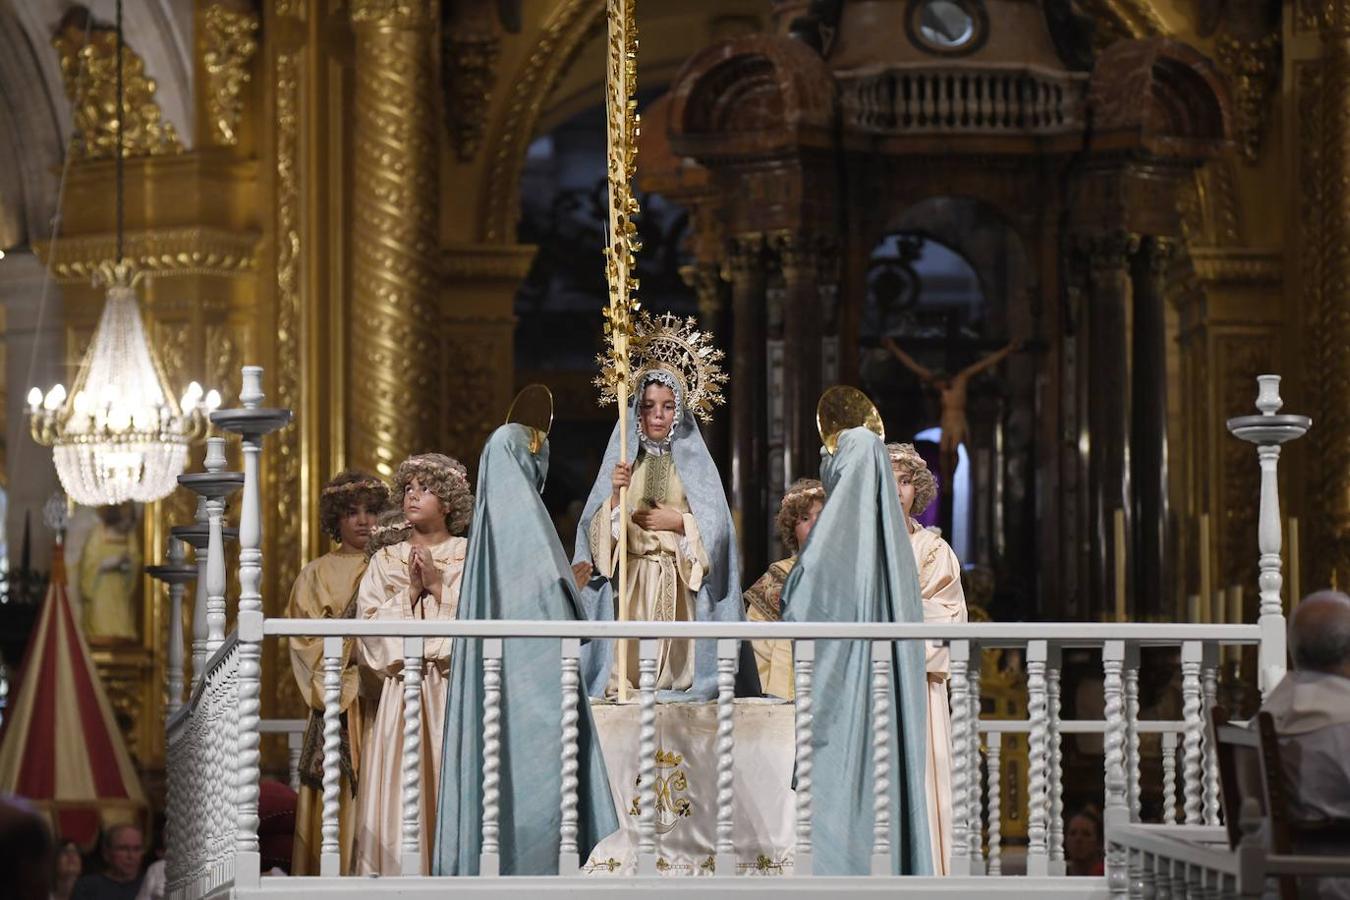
[(682, 554)]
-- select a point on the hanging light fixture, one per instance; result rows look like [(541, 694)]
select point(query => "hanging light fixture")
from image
[(119, 434)]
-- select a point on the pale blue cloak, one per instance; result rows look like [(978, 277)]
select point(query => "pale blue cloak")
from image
[(515, 569), (858, 566), (718, 600)]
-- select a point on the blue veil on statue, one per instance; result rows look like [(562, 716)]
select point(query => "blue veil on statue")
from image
[(858, 566), (719, 598), (515, 569), (672, 352)]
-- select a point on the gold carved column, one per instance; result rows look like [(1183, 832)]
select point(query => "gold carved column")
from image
[(1331, 233), (394, 339)]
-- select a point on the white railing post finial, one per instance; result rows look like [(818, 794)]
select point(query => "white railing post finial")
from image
[(251, 422), (1268, 430)]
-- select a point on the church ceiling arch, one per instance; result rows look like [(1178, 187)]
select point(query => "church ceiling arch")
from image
[(563, 74)]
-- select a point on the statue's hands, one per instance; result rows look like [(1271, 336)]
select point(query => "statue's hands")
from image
[(660, 518), (581, 573)]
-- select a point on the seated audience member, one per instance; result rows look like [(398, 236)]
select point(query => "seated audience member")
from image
[(1083, 853), (1311, 709), (67, 869), (123, 851), (797, 515)]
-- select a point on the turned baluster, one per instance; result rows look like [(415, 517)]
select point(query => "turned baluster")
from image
[(568, 852)]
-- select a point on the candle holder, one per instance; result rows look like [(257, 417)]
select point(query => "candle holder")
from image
[(1268, 431)]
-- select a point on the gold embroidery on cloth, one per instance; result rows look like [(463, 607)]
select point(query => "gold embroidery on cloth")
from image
[(670, 807), (656, 484)]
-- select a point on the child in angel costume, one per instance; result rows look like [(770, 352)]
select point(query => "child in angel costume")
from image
[(414, 575), (943, 601), (326, 589), (797, 515), (681, 563)]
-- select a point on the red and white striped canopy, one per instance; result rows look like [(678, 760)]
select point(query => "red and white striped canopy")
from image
[(61, 747)]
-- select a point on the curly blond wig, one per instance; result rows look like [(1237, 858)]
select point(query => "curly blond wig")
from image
[(445, 477), (905, 460), (796, 506), (347, 491)]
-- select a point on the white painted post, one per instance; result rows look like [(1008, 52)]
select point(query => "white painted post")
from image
[(200, 628), (726, 746), (1268, 431), (1192, 653), (215, 552), (330, 859), (961, 775), (647, 655), (568, 852), (1169, 763), (490, 857), (175, 573), (1132, 775), (295, 741), (1117, 811), (175, 662), (975, 848), (805, 655), (1209, 671), (410, 850), (994, 764), (1052, 693), (1038, 753), (881, 758)]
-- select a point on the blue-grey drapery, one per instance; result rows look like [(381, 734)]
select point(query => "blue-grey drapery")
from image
[(858, 566), (515, 569)]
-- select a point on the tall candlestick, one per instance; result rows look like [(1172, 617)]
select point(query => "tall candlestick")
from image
[(1119, 523), (1219, 607), (1193, 608), (1235, 612)]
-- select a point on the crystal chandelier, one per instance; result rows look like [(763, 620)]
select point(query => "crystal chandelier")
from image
[(119, 434)]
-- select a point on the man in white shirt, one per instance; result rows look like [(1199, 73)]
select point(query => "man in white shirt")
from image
[(1311, 709)]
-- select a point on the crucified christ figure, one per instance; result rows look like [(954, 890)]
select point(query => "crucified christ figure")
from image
[(952, 393)]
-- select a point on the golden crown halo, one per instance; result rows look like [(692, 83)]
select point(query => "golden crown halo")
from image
[(671, 344)]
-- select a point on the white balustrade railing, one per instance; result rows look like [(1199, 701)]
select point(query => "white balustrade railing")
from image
[(201, 788), (1196, 861), (214, 740)]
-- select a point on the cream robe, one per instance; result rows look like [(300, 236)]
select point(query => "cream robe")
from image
[(324, 589), (385, 594), (665, 570), (943, 601), (773, 659)]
